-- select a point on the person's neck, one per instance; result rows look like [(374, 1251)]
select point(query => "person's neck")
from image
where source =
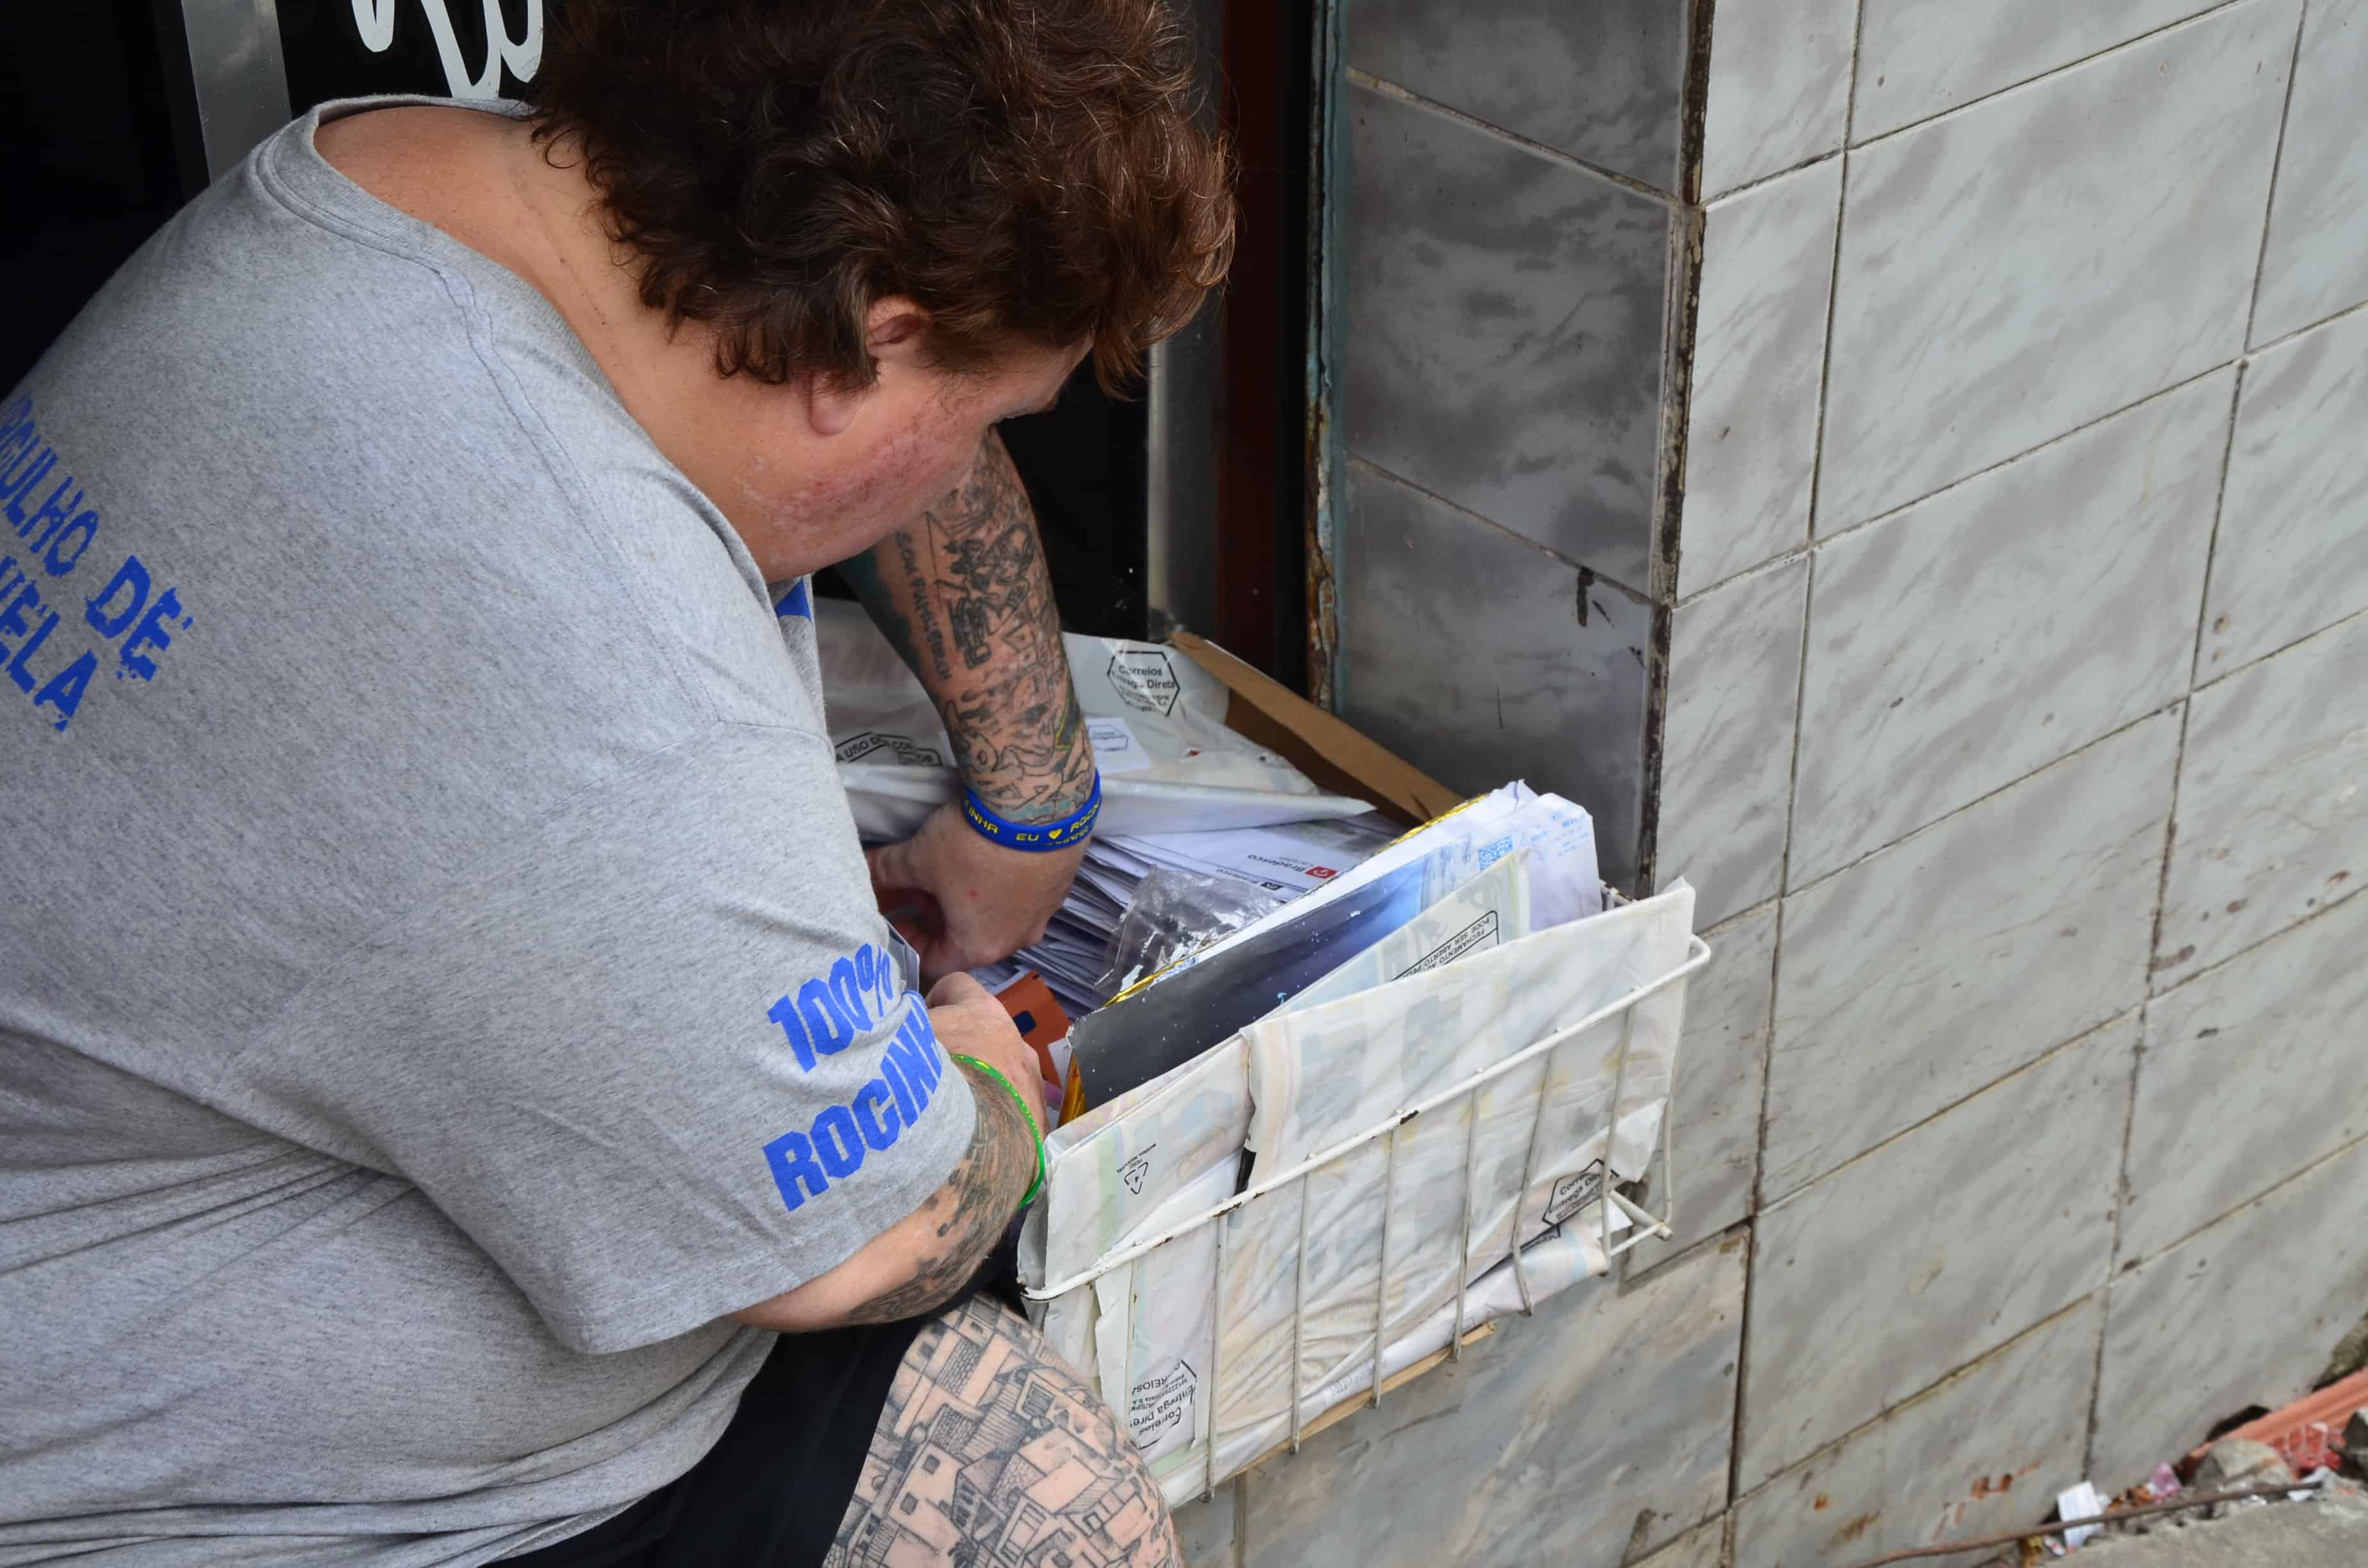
[(529, 207)]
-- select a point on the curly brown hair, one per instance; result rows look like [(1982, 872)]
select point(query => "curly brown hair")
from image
[(1024, 170)]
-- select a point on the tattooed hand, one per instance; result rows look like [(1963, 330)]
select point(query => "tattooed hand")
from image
[(917, 1264), (965, 597)]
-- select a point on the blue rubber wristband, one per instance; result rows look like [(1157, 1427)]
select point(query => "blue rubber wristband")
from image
[(1034, 837)]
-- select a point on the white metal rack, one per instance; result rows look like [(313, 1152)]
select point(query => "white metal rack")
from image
[(1643, 1224)]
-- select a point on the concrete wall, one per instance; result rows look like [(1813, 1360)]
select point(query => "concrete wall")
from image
[(2013, 722)]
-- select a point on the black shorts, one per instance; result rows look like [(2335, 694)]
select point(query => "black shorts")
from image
[(774, 1489)]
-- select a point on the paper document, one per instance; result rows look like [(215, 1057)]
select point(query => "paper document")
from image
[(1565, 883), (1487, 912)]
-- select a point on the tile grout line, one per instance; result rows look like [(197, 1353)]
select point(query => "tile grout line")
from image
[(2050, 1054), (1357, 459), (2338, 624), (1687, 228), (2305, 330), (2135, 1009), (2121, 729), (1822, 878), (1770, 567), (1851, 113), (2122, 1189), (2250, 949), (2247, 357), (1792, 798), (2341, 1151), (1407, 95), (2206, 14), (1757, 182), (1927, 1391), (2277, 160), (2212, 556), (1888, 513)]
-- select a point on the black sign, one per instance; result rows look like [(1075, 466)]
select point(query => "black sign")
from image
[(453, 48)]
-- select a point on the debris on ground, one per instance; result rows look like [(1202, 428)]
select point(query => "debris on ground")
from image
[(2308, 1432), (2216, 1506), (2233, 1463), (2330, 1530)]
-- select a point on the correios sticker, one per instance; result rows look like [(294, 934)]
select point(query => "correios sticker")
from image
[(1143, 678)]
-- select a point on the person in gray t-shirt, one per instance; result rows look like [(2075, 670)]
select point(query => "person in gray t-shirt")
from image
[(447, 1031)]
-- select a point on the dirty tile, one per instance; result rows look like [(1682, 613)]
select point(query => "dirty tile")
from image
[(1206, 1527), (1722, 1063), (2233, 1091), (1599, 80), (1759, 344), (2292, 556), (2244, 1313), (1779, 87), (1463, 649), (1944, 963), (2048, 256), (1919, 58), (1974, 637), (1504, 345), (1704, 1546), (1726, 755), (1584, 1438), (1984, 1452), (1875, 1282), (2272, 818), (2317, 260)]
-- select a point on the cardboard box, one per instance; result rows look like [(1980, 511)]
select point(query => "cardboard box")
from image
[(1325, 748)]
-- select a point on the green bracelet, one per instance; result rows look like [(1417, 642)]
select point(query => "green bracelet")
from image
[(1025, 1115)]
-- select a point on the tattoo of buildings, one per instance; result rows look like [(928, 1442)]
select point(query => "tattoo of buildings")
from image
[(990, 1454)]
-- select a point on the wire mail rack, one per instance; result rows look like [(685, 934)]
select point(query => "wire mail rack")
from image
[(1643, 1224)]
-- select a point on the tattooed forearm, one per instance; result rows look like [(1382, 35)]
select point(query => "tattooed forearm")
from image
[(1042, 1472), (965, 597), (966, 1216)]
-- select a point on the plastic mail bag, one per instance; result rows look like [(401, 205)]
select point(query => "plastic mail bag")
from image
[(1157, 721)]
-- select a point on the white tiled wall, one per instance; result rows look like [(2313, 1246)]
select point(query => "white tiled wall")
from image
[(2244, 1312), (2293, 557), (1944, 961), (2074, 793), (1589, 1435), (2038, 259), (1878, 1281), (2012, 723), (1727, 740), (2316, 264), (1759, 348), (1966, 1457)]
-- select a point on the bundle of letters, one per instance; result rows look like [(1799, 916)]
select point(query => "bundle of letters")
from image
[(1180, 791), (1397, 1100)]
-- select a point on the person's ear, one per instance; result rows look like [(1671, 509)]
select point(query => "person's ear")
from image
[(896, 335)]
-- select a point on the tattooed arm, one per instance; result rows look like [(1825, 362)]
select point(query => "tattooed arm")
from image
[(964, 596), (917, 1264)]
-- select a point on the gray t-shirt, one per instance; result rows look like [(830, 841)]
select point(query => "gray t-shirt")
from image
[(438, 978)]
